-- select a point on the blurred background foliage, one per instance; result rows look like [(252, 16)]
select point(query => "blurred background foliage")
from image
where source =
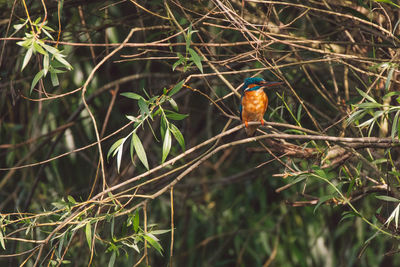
[(299, 200)]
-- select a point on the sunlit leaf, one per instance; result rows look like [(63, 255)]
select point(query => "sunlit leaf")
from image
[(363, 94), (175, 116), (153, 242), (27, 57), (3, 245), (131, 95), (196, 59), (114, 147), (36, 79), (119, 156), (88, 232), (166, 145), (176, 88), (38, 48), (140, 152), (173, 104), (178, 135)]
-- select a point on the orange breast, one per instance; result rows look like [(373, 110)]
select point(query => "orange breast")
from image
[(254, 105)]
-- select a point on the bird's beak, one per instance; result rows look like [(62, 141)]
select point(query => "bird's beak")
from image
[(270, 84)]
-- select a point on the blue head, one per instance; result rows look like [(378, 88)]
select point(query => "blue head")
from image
[(253, 82)]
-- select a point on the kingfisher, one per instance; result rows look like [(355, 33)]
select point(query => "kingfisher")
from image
[(254, 102)]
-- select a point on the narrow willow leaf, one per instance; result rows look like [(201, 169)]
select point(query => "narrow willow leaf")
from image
[(60, 59), (54, 79), (131, 95), (322, 200), (140, 152), (389, 78), (196, 59), (136, 221), (144, 109), (88, 232), (395, 125), (2, 240), (177, 63), (175, 116), (388, 198), (119, 156), (178, 136), (363, 94), (38, 48), (176, 88), (166, 145), (50, 49), (189, 37), (114, 147), (173, 104), (112, 259), (27, 57), (36, 79), (46, 63), (387, 2), (112, 227), (153, 243)]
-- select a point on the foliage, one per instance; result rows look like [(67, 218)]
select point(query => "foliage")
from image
[(132, 153)]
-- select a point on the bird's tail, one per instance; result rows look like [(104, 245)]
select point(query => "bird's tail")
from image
[(251, 130)]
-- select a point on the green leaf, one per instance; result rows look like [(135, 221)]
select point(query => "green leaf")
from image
[(321, 201), (196, 59), (189, 37), (27, 57), (144, 109), (88, 232), (112, 226), (166, 145), (363, 94), (140, 152), (2, 240), (44, 29), (132, 118), (178, 136), (177, 63), (389, 78), (151, 239), (395, 126), (369, 105), (131, 95), (38, 48), (136, 221), (119, 156), (114, 147), (175, 116), (176, 88), (36, 79), (388, 198), (112, 259), (46, 63), (54, 79), (388, 2), (173, 104), (71, 199), (60, 59), (50, 49)]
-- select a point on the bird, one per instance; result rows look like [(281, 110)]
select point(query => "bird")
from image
[(254, 102)]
